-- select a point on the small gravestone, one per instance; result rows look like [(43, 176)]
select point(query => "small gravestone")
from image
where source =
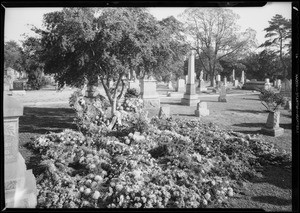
[(149, 93), (180, 85), (164, 111), (201, 109), (288, 105), (225, 81), (286, 89), (222, 97), (272, 126), (170, 86), (267, 84), (235, 83), (18, 88), (243, 77)]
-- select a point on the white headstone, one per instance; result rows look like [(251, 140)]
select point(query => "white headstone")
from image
[(180, 85), (233, 74), (243, 77), (218, 78)]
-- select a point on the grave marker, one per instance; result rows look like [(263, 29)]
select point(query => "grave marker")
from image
[(286, 89), (272, 126), (149, 93), (201, 109), (243, 77), (190, 97), (20, 184), (180, 85), (222, 97)]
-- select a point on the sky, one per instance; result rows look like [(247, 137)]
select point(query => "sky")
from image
[(18, 21)]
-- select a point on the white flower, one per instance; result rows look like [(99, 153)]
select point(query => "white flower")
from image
[(230, 192), (204, 202), (96, 195), (87, 191), (98, 178), (207, 196)]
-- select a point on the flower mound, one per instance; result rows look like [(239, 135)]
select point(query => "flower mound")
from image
[(146, 163)]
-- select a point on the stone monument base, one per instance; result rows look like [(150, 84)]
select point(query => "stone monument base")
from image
[(18, 92), (190, 100), (272, 132), (201, 112)]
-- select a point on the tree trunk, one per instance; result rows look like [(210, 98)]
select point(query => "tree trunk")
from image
[(113, 106), (212, 79)]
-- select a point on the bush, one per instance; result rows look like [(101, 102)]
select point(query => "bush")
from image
[(270, 99)]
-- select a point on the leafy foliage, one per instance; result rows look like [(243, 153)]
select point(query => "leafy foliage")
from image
[(271, 100), (13, 55)]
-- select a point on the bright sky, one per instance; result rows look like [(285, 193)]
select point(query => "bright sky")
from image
[(18, 20)]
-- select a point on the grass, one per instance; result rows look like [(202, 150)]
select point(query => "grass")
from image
[(272, 191)]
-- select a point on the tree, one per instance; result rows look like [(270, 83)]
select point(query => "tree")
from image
[(176, 38), (12, 55), (32, 63), (279, 34), (86, 45), (214, 35)]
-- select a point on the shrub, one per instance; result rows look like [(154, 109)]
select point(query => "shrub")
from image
[(270, 99)]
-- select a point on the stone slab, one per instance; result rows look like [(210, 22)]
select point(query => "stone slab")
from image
[(272, 132)]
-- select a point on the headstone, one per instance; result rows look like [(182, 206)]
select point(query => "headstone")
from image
[(235, 83), (134, 84), (202, 86), (201, 109), (243, 77), (20, 184), (149, 93), (222, 96), (190, 97), (225, 81), (267, 84), (180, 85), (247, 80), (233, 74), (164, 111), (288, 105), (170, 86), (272, 126), (278, 84), (18, 88), (286, 89)]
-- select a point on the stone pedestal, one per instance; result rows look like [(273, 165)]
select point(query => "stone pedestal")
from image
[(149, 94), (272, 126), (201, 109), (20, 184), (190, 97), (180, 85)]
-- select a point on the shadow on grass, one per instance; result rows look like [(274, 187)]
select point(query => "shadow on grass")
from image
[(246, 111), (189, 115), (171, 103), (250, 125), (42, 120), (272, 200), (286, 126), (276, 176)]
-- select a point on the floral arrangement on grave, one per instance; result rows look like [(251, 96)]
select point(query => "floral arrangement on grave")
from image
[(271, 100)]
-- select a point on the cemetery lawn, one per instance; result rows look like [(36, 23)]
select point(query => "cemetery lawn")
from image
[(272, 191)]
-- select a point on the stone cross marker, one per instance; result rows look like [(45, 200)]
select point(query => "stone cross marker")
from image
[(222, 97), (17, 179), (190, 97)]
